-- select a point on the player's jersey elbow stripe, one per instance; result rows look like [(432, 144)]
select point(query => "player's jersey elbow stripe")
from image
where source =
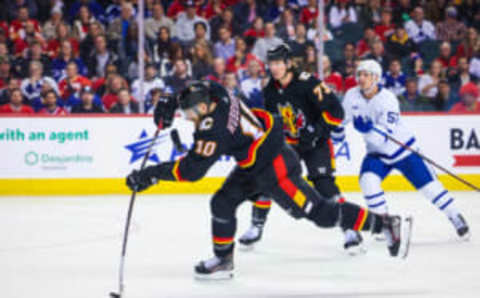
[(252, 151), (330, 119), (361, 218), (176, 171)]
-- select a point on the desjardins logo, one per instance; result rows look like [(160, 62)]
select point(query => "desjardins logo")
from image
[(33, 158)]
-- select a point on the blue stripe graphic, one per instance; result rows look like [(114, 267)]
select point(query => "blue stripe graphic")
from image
[(446, 204), (374, 196), (439, 196), (377, 205)]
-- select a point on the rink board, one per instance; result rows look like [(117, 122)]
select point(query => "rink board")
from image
[(92, 155)]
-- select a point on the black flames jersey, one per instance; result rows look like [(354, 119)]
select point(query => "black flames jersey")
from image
[(304, 101), (252, 137)]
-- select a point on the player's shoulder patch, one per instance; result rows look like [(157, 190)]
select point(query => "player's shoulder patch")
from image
[(206, 124), (304, 76)]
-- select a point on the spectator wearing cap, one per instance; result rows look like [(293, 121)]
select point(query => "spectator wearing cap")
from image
[(64, 58), (412, 99), (15, 104), (394, 79), (93, 6), (178, 80), (87, 104), (157, 21), (262, 45), (469, 95), (49, 99), (461, 76), (184, 26), (445, 98), (73, 82), (218, 72), (451, 30), (32, 86), (100, 57), (225, 47), (49, 28), (400, 45), (151, 81), (428, 83), (418, 28), (341, 13), (251, 86), (468, 45), (82, 22), (385, 28), (125, 103)]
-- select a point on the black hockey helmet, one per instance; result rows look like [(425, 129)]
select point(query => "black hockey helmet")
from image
[(195, 92), (280, 52)]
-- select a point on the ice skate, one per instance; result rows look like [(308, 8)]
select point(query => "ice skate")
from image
[(215, 268), (463, 231), (397, 231), (353, 244), (250, 238)]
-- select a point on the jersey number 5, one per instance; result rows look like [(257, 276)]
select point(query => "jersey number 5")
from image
[(205, 149)]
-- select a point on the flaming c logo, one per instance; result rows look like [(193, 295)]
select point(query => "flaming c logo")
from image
[(292, 121)]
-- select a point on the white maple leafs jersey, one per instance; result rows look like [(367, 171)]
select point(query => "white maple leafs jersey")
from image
[(384, 110)]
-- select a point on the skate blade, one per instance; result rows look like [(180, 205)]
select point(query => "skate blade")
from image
[(216, 276), (407, 225), (356, 250)]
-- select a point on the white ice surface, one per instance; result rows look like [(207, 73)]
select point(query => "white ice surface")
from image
[(69, 247)]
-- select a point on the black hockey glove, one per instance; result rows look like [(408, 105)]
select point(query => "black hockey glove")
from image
[(165, 111), (141, 180), (311, 135)]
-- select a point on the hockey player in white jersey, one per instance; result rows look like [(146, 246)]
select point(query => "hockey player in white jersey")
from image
[(375, 112)]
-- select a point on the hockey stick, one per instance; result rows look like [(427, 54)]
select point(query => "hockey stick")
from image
[(433, 163), (129, 217)]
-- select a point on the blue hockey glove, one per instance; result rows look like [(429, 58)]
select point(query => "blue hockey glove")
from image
[(363, 125)]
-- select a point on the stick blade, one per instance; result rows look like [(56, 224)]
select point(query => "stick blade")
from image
[(115, 295)]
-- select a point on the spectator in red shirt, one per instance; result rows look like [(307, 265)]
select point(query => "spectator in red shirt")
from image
[(4, 28), (467, 47), (212, 9), (448, 61), (363, 45), (73, 83), (239, 61), (51, 106), (469, 94), (257, 30), (309, 13), (82, 23), (63, 33), (18, 26), (15, 105), (332, 78), (350, 80), (114, 84), (386, 27)]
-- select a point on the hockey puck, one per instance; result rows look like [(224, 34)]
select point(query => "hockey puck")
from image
[(114, 295)]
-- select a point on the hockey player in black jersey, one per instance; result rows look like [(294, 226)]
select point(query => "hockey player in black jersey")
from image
[(265, 164), (310, 111)]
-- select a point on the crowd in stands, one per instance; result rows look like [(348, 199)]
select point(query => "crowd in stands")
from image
[(81, 56)]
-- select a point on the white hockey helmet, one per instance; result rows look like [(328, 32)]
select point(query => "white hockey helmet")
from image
[(370, 66)]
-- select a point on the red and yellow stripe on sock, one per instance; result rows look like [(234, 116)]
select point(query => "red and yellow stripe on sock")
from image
[(361, 219), (222, 240), (286, 184), (263, 204)]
